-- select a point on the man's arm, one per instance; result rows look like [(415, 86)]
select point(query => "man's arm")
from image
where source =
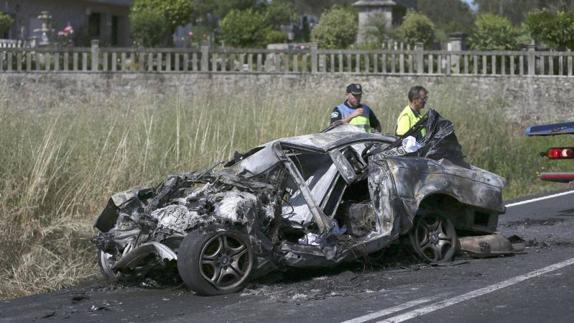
[(403, 125), (336, 115)]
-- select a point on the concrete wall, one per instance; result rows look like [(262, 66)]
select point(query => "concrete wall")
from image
[(523, 100)]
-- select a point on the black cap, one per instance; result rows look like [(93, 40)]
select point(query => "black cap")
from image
[(355, 89)]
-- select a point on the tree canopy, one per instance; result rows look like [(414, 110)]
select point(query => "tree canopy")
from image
[(247, 28), (459, 19), (492, 32), (517, 10), (5, 22), (416, 27), (154, 21), (555, 29), (337, 28), (176, 12)]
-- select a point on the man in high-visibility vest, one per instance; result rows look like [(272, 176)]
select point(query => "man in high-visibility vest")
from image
[(412, 113), (353, 112)]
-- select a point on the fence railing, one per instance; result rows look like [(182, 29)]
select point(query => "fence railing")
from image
[(13, 43), (292, 61)]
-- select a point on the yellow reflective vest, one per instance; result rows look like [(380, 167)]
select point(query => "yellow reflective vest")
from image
[(406, 120)]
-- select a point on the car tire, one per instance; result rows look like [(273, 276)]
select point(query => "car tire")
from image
[(215, 262), (433, 237)]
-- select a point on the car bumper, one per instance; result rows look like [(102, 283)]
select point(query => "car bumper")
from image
[(557, 177)]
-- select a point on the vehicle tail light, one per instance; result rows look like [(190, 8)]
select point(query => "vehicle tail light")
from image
[(560, 153)]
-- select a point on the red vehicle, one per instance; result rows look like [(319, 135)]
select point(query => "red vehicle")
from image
[(555, 152)]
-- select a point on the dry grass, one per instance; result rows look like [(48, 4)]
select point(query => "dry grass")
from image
[(62, 156)]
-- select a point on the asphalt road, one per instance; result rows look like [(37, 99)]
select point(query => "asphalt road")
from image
[(535, 286)]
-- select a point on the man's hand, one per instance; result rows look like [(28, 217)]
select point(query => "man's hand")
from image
[(356, 113)]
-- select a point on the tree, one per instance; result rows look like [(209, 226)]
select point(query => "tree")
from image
[(176, 12), (459, 19), (337, 28), (517, 10), (492, 32), (279, 12), (245, 28), (5, 22), (206, 13), (554, 29), (415, 28), (149, 28)]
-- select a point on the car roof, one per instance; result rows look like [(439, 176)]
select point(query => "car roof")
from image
[(337, 137)]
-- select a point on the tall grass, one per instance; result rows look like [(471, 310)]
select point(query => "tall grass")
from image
[(62, 156)]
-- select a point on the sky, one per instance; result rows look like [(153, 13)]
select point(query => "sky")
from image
[(473, 7)]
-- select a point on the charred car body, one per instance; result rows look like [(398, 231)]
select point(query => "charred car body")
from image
[(308, 201)]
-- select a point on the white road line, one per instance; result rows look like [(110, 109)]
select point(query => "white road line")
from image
[(391, 310), (476, 293), (539, 199)]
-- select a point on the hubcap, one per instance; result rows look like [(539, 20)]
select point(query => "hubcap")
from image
[(434, 237), (225, 261)]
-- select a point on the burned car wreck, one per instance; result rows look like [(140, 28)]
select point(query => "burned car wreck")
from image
[(308, 201)]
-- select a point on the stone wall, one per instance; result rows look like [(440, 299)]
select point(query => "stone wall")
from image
[(525, 100)]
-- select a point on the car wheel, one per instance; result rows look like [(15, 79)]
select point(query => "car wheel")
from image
[(215, 262), (433, 237), (106, 262)]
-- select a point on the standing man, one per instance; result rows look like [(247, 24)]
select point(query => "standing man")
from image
[(352, 111), (412, 113)]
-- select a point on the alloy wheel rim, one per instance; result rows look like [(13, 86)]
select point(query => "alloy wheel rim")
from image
[(225, 261), (434, 238)]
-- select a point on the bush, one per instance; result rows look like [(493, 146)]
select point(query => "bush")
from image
[(279, 13), (153, 21), (244, 28), (553, 29), (337, 28), (275, 36), (149, 28), (415, 28), (255, 27), (176, 12), (5, 22), (377, 32), (492, 32)]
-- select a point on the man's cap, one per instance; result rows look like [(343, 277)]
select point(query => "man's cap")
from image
[(355, 89)]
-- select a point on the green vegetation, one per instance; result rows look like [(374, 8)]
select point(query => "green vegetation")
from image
[(245, 28), (337, 28), (5, 22), (154, 21), (492, 32), (149, 28), (415, 28), (255, 28), (64, 155), (517, 10), (459, 18), (554, 29)]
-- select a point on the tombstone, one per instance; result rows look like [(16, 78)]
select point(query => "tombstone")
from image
[(370, 10), (46, 29), (455, 44)]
